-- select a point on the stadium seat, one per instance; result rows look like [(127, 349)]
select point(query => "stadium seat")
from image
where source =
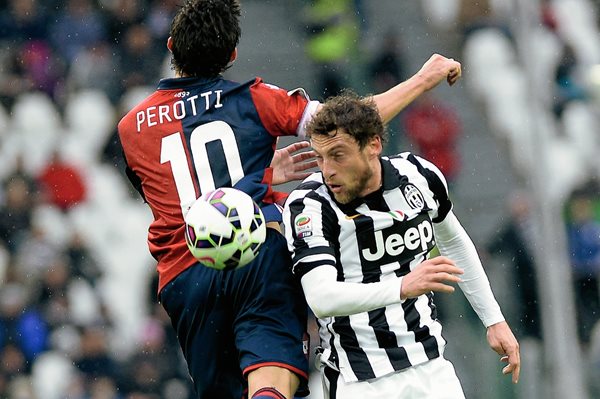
[(506, 105), (37, 126), (52, 373), (547, 49), (577, 24), (441, 13), (53, 222), (580, 127), (566, 169), (485, 53), (84, 305), (90, 119)]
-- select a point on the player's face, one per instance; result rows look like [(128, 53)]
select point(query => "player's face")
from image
[(348, 171)]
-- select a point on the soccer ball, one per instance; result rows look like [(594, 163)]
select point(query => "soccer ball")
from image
[(224, 229)]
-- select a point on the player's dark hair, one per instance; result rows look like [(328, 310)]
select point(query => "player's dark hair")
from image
[(359, 117), (204, 35)]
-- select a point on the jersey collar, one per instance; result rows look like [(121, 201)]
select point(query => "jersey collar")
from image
[(391, 177), (180, 83)]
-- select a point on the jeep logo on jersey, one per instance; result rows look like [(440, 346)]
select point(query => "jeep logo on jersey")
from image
[(413, 196), (400, 242)]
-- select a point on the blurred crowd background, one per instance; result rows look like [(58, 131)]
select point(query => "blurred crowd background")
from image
[(78, 311)]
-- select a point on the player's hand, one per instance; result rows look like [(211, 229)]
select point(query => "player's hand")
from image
[(288, 164), (503, 341), (434, 274), (439, 68)]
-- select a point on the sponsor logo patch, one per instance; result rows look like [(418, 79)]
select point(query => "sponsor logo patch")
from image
[(400, 242), (303, 226)]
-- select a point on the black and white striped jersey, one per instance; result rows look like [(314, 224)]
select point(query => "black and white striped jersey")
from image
[(373, 239)]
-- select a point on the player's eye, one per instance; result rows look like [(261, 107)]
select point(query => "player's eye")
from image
[(338, 156)]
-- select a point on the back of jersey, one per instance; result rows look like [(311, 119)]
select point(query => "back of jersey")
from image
[(193, 135)]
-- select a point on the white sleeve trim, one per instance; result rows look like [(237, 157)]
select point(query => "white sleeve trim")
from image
[(300, 91), (328, 297), (454, 242), (309, 111)]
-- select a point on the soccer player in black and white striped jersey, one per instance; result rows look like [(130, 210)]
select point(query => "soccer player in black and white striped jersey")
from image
[(360, 232)]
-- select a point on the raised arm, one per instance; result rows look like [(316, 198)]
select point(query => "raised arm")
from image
[(435, 70)]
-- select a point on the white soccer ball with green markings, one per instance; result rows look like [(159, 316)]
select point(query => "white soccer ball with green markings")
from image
[(225, 228)]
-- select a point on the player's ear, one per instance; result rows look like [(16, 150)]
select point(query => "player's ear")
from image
[(233, 56), (376, 146), (170, 44)]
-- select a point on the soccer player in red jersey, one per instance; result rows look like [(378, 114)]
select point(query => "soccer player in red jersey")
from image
[(241, 332)]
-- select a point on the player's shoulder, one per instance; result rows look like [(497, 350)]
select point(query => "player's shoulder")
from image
[(408, 161), (420, 172), (130, 116), (266, 88), (311, 187)]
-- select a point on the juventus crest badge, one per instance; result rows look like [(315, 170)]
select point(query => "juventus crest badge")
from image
[(413, 196)]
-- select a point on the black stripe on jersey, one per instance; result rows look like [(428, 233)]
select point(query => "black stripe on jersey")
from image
[(307, 251), (332, 376), (386, 339), (356, 355), (328, 213), (422, 334), (371, 271), (434, 314), (331, 228), (301, 268), (403, 270), (437, 188), (309, 185)]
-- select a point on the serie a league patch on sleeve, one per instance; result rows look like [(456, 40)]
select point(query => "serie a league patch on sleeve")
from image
[(303, 226)]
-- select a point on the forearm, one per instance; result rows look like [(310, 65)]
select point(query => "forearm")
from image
[(391, 102), (454, 242), (435, 70), (328, 297)]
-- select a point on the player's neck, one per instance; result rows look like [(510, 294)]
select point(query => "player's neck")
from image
[(376, 180)]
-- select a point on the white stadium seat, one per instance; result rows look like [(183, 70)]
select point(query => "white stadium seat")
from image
[(90, 119), (52, 373), (486, 53), (580, 127), (37, 126)]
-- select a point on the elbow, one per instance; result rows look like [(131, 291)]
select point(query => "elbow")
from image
[(320, 308)]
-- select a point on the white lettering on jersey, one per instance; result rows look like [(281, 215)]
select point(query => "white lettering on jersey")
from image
[(394, 244), (167, 112)]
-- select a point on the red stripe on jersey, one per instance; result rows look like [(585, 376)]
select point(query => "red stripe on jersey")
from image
[(268, 392), (272, 196), (142, 132), (279, 112), (293, 369)]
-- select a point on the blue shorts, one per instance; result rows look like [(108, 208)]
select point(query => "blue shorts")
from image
[(231, 323)]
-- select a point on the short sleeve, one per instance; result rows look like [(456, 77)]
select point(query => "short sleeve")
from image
[(281, 112)]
